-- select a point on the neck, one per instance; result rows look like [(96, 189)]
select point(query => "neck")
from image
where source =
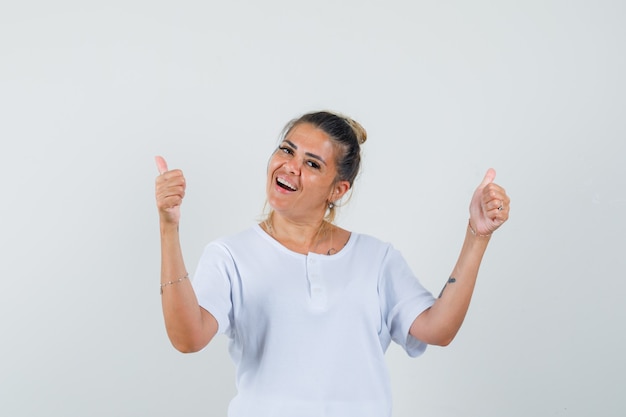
[(302, 237)]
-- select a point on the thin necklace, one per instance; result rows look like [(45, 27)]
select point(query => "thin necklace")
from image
[(270, 228), (332, 250)]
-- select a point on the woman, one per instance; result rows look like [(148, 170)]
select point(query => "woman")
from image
[(309, 307)]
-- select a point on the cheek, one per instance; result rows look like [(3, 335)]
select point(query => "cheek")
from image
[(323, 187), (272, 163)]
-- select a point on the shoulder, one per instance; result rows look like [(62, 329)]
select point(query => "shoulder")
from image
[(362, 239), (369, 248), (228, 253), (373, 250), (246, 239)]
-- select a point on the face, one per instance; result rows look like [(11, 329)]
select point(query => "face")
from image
[(302, 176)]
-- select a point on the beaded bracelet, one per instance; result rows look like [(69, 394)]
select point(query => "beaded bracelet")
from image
[(173, 282), (471, 229)]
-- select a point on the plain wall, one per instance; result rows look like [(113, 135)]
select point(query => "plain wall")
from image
[(91, 91)]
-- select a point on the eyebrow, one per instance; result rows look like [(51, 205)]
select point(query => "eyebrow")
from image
[(309, 154)]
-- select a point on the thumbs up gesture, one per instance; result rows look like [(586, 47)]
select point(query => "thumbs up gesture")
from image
[(489, 207), (170, 191)]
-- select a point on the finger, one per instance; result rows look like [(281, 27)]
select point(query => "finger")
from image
[(492, 204), (493, 191), (161, 164), (170, 201), (167, 190), (170, 197), (489, 177), (497, 207)]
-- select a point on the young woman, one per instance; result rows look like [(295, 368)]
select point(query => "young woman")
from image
[(310, 308)]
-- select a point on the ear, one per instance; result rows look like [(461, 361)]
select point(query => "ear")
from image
[(339, 190)]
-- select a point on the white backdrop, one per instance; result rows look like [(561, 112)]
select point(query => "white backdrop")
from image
[(91, 91)]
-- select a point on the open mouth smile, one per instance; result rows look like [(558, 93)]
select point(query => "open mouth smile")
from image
[(283, 183)]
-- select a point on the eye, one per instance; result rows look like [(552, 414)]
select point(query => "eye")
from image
[(285, 149), (313, 164)]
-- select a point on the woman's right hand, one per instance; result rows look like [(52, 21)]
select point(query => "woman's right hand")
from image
[(170, 191)]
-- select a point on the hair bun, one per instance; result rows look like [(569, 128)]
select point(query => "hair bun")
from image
[(359, 131)]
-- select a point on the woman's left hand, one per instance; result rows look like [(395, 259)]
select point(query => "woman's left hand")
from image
[(490, 206)]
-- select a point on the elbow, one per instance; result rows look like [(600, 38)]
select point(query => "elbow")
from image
[(189, 343), (432, 333), (188, 346), (185, 348), (440, 337), (443, 338), (443, 341), (191, 339)]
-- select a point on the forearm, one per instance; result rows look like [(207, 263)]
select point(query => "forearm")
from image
[(440, 324), (189, 327)]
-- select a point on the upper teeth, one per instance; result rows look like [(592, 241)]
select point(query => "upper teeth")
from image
[(286, 183)]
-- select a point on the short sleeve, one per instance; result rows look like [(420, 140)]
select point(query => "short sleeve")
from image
[(402, 298), (212, 284)]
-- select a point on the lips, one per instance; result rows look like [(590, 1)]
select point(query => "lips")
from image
[(283, 183)]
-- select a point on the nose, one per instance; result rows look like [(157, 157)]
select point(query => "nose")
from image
[(292, 166)]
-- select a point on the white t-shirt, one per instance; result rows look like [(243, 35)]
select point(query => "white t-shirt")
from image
[(308, 333)]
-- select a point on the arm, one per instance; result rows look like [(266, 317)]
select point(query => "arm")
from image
[(439, 324), (189, 327)]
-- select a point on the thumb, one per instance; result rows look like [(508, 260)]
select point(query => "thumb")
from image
[(161, 164), (489, 177)]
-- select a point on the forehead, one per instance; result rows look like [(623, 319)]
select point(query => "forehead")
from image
[(306, 130), (311, 139)]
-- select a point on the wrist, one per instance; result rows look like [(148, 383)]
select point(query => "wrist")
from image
[(473, 231), (168, 228)]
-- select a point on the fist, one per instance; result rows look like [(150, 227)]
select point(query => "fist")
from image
[(170, 191), (490, 206)]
